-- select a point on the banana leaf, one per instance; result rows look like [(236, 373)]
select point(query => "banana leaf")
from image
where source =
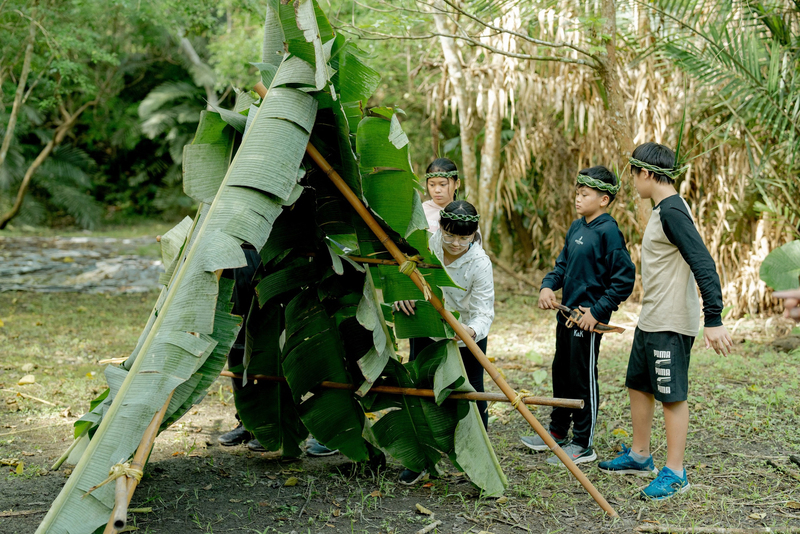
[(168, 357), (267, 408)]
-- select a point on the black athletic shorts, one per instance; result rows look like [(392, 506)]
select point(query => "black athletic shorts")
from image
[(659, 364)]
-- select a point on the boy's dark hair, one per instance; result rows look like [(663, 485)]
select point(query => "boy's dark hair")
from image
[(601, 173), (459, 227), (658, 156)]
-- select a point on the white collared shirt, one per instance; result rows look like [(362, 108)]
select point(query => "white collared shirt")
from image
[(473, 272)]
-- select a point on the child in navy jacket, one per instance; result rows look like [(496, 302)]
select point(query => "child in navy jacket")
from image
[(596, 273)]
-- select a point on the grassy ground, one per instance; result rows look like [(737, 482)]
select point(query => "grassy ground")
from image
[(744, 412)]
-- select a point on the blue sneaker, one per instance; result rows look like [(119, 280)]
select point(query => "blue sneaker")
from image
[(666, 484), (623, 464)]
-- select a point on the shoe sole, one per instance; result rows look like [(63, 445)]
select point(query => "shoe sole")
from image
[(329, 453), (636, 472), (542, 447), (232, 443), (665, 497), (422, 476), (581, 460)]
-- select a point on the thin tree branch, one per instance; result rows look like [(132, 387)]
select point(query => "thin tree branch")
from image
[(522, 35), (20, 92), (386, 36)]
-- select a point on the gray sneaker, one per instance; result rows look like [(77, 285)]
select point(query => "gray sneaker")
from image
[(537, 443), (578, 454)]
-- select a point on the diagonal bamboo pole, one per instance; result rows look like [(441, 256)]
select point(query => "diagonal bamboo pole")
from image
[(398, 255), (125, 485), (576, 404)]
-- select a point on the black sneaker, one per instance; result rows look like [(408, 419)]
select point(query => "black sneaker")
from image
[(234, 437), (255, 446), (409, 477)]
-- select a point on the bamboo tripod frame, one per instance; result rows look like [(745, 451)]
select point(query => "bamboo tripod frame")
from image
[(400, 258), (126, 486)]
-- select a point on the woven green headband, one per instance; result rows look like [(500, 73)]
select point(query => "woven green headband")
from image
[(594, 183), (669, 173), (460, 216), (449, 174)]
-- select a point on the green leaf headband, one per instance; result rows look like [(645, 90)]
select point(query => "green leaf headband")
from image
[(594, 183), (460, 216), (449, 174), (669, 173)]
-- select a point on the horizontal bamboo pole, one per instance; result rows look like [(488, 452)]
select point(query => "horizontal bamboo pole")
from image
[(415, 276), (575, 404), (378, 261)]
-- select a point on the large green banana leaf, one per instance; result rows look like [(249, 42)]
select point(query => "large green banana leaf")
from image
[(308, 285), (180, 340), (417, 430)]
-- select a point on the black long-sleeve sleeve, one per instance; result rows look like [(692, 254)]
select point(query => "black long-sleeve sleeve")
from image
[(681, 232)]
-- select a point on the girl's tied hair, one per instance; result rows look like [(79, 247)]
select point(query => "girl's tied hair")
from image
[(459, 218), (600, 179)]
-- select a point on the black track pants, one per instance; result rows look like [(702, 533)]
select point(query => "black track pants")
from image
[(575, 377), (472, 366), (243, 293)]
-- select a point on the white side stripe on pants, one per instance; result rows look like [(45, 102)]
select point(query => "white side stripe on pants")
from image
[(592, 388)]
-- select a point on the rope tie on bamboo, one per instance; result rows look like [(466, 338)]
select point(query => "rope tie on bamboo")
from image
[(409, 267), (116, 471), (521, 397)]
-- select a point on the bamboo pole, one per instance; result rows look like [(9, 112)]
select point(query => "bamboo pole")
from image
[(399, 257), (379, 261), (575, 404), (124, 492)]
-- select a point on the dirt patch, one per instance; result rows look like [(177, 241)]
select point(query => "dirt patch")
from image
[(744, 412)]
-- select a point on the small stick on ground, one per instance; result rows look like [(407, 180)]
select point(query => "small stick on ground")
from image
[(429, 527), (666, 529), (21, 513), (31, 397), (310, 486), (784, 470)]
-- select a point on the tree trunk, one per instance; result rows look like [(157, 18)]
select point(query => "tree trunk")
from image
[(23, 80), (469, 160), (617, 117), (506, 239), (486, 201), (58, 137)]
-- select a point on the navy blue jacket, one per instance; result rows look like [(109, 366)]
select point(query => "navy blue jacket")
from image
[(594, 268)]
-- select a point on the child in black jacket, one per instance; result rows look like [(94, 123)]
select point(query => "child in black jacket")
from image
[(596, 273)]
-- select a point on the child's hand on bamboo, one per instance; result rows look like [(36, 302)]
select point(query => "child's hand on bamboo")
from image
[(470, 331), (547, 299), (587, 322)]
